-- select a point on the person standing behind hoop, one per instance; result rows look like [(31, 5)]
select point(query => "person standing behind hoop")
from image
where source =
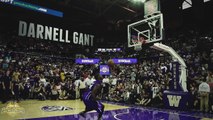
[(204, 90)]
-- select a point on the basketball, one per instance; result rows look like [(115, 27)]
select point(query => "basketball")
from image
[(111, 63)]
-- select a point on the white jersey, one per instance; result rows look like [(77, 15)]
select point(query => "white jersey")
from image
[(155, 90), (77, 83), (204, 87), (82, 84)]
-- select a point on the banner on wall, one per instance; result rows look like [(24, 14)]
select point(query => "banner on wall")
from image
[(175, 83), (33, 7), (104, 70), (49, 33), (125, 61), (87, 61), (105, 50)]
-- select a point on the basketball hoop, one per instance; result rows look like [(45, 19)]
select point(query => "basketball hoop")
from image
[(148, 30)]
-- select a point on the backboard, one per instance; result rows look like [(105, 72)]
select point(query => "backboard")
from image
[(145, 31)]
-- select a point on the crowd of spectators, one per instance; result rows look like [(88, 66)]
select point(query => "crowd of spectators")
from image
[(29, 74)]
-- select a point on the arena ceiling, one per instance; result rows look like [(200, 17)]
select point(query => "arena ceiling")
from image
[(105, 11), (90, 12), (112, 11)]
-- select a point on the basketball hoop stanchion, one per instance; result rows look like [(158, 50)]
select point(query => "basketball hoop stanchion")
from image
[(150, 30)]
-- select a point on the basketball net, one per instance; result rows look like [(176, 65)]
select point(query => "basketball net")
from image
[(138, 47), (138, 44)]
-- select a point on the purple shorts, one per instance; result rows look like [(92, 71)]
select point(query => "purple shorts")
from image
[(92, 104)]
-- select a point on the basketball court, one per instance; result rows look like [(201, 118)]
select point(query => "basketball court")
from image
[(69, 109)]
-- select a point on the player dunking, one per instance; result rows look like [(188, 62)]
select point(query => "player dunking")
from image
[(90, 98)]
